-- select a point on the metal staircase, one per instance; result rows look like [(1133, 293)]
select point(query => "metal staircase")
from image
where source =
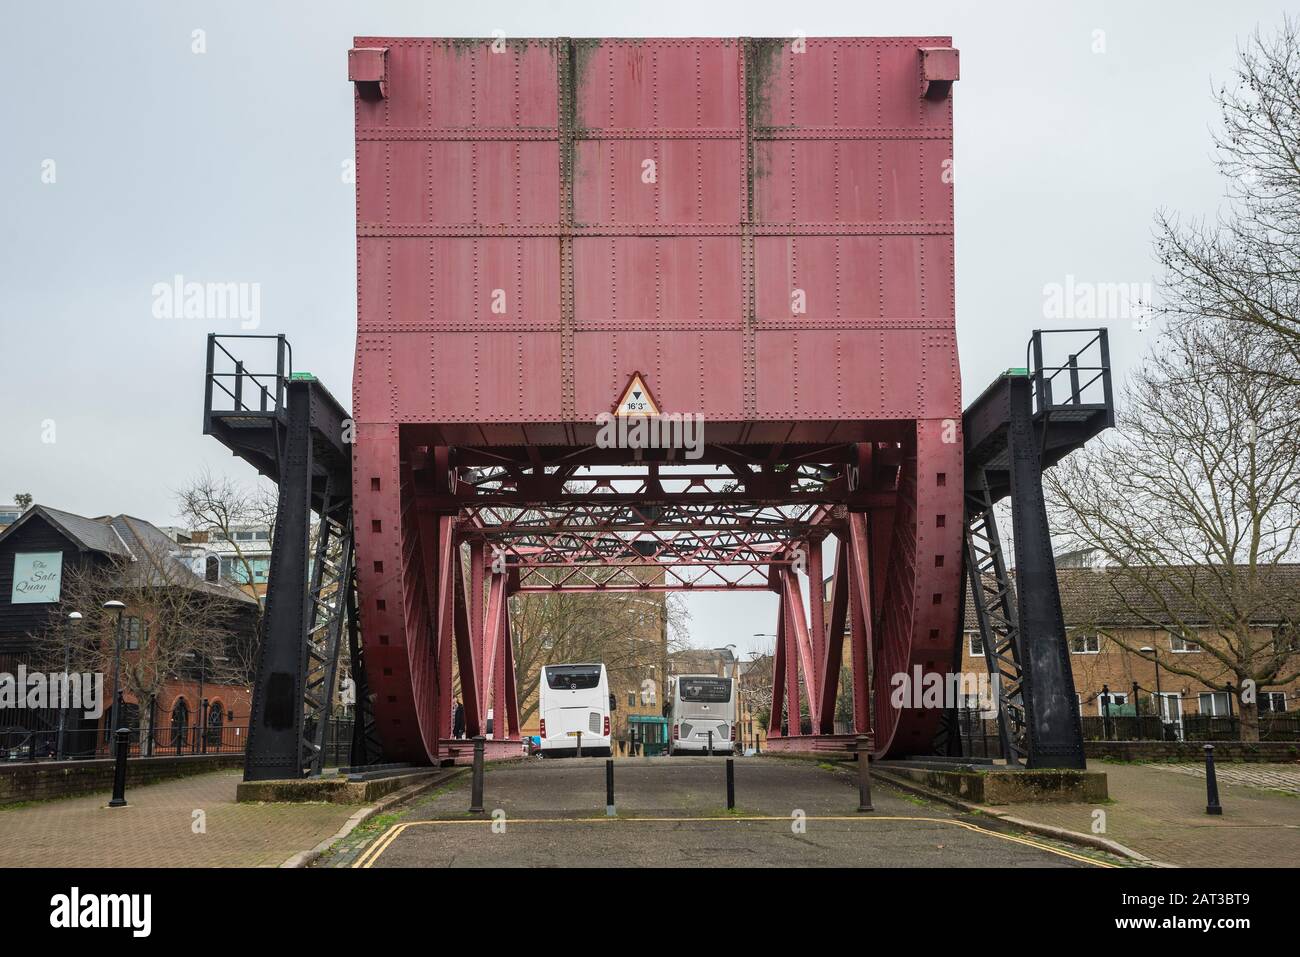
[(331, 578), (992, 594)]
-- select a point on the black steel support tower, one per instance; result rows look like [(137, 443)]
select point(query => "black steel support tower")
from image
[(1013, 431), (292, 430)]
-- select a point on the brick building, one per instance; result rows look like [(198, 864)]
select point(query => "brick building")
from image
[(1104, 612)]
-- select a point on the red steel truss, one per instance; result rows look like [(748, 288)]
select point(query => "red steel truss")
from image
[(485, 536)]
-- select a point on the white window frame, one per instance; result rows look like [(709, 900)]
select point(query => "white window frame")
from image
[(1281, 695), (1213, 696), (1084, 637), (1116, 698), (1169, 714), (1191, 646), (971, 638)]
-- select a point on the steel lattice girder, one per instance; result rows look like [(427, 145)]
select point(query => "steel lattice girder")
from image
[(606, 547), (896, 555)]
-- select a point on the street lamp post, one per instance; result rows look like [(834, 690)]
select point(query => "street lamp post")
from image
[(202, 730), (203, 707), (73, 619), (116, 606)]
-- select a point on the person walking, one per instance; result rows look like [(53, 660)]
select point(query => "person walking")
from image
[(458, 720)]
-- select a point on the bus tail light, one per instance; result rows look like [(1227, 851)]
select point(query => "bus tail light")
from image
[(542, 729), (676, 731), (606, 726)]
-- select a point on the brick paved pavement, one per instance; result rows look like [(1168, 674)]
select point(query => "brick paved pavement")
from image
[(1279, 777), (1162, 815), (156, 830)]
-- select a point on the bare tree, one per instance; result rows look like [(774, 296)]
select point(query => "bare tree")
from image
[(218, 506), (1244, 266), (756, 687), (1195, 502)]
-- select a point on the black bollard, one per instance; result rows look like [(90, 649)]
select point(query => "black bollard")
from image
[(579, 744), (119, 771), (731, 783), (1212, 805), (476, 785), (609, 787), (710, 744), (864, 773)]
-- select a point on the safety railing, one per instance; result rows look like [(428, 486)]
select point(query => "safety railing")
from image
[(1081, 374), (231, 386)]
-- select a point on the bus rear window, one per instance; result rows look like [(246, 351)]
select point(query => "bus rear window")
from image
[(705, 689), (571, 677)]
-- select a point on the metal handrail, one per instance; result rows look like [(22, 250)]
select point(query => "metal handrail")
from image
[(1044, 375), (270, 398)]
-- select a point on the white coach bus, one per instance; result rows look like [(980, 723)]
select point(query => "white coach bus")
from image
[(574, 700), (697, 705)]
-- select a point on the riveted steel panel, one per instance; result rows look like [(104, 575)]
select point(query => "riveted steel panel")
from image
[(601, 203)]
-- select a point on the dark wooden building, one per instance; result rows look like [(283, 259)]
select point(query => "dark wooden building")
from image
[(43, 531), (45, 546)]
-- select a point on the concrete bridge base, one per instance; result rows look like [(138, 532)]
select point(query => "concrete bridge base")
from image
[(993, 784)]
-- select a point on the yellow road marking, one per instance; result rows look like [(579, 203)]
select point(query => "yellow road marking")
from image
[(372, 854)]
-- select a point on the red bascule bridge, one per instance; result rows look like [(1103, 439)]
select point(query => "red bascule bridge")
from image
[(753, 234)]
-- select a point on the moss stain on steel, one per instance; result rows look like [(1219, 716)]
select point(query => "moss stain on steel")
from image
[(763, 64), (578, 54)]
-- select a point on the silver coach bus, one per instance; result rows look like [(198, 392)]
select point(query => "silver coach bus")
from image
[(698, 705)]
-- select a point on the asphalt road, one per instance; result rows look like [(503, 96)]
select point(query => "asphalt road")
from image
[(671, 812)]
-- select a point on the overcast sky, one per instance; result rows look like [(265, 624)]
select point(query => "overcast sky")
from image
[(1073, 125)]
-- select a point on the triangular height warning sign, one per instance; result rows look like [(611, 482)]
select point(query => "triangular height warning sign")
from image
[(636, 399)]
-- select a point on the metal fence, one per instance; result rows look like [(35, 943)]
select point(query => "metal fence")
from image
[(979, 735), (18, 744), (1191, 727)]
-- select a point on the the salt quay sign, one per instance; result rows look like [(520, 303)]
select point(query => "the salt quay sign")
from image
[(38, 576)]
